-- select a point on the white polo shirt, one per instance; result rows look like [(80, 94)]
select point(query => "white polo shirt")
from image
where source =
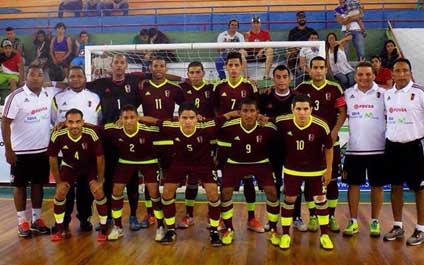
[(86, 101), (405, 113), (30, 128), (367, 122)]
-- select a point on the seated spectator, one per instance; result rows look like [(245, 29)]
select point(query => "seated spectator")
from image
[(60, 52), (79, 60), (70, 5), (17, 44), (42, 49), (142, 37), (92, 8), (230, 35), (12, 68), (259, 55), (337, 60), (389, 54), (142, 57), (305, 56), (107, 6), (158, 37), (383, 76)]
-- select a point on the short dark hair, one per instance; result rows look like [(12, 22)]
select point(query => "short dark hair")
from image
[(233, 20), (233, 55), (280, 67), (10, 29), (317, 58), (302, 98), (144, 32), (74, 111), (402, 60), (42, 32), (158, 58), (363, 64), (129, 107), (249, 101), (313, 33), (187, 106), (76, 67), (195, 64), (60, 25), (35, 66), (375, 57), (83, 32)]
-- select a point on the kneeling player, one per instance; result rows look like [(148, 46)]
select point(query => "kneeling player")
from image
[(246, 147), (82, 161), (303, 137), (135, 146)]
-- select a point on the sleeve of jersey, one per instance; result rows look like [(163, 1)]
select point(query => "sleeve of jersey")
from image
[(11, 107), (340, 102), (164, 139), (223, 141), (328, 141), (53, 148)]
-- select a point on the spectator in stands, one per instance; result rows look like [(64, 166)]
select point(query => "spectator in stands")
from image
[(42, 49), (358, 36), (305, 56), (383, 76), (142, 37), (60, 53), (107, 6), (259, 55), (79, 60), (299, 33), (389, 54), (12, 68), (158, 37), (141, 57), (230, 35), (17, 44), (337, 60), (70, 5), (92, 8)]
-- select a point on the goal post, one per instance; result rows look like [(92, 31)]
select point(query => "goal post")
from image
[(179, 55)]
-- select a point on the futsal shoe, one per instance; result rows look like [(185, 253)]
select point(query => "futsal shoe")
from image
[(254, 225), (285, 241), (325, 242), (228, 237)]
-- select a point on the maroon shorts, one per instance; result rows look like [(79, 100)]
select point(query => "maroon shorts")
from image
[(292, 185), (234, 173), (178, 173), (71, 175), (124, 172)]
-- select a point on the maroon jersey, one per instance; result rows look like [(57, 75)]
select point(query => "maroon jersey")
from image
[(303, 146), (201, 97), (273, 105), (159, 100), (227, 97), (327, 99), (195, 149), (241, 146), (79, 154), (138, 148)]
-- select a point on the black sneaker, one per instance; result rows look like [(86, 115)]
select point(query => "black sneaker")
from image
[(169, 238), (395, 233), (39, 227), (214, 239), (417, 238), (86, 226)]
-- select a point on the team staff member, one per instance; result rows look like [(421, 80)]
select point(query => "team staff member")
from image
[(365, 148), (26, 133), (404, 147)]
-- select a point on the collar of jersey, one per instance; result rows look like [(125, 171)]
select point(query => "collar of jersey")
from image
[(248, 131), (188, 135), (405, 89), (29, 92), (373, 88), (199, 87), (131, 135), (160, 85), (304, 127), (321, 87), (72, 139), (237, 84)]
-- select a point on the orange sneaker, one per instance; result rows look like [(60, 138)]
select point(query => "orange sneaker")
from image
[(186, 222), (56, 236), (101, 236), (23, 229), (254, 225)]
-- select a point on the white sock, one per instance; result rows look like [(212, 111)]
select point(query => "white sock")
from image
[(374, 220), (400, 224), (36, 212), (21, 217), (354, 220), (420, 227)]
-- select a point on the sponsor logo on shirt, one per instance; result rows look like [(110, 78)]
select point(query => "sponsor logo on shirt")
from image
[(35, 111), (391, 110), (363, 106)]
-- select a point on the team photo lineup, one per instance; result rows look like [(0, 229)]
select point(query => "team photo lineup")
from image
[(98, 138)]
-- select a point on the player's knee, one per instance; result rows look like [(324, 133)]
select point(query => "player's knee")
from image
[(226, 194), (271, 193), (117, 190), (153, 190)]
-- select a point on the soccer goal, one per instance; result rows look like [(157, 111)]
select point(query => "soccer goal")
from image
[(179, 55)]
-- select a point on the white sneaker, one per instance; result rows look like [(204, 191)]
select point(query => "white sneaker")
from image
[(116, 233), (300, 225), (160, 233)]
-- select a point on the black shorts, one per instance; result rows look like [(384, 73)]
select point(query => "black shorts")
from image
[(32, 168), (358, 167), (405, 163)]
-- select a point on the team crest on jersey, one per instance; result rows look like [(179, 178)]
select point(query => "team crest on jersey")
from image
[(207, 94), (84, 146), (328, 96), (127, 88), (199, 139), (89, 103), (167, 93), (259, 138), (412, 96), (141, 140), (311, 137), (378, 94), (243, 93)]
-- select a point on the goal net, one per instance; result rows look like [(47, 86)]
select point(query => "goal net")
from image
[(212, 55)]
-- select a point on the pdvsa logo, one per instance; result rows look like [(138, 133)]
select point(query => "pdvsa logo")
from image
[(391, 110)]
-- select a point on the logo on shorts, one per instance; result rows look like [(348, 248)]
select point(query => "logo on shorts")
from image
[(167, 93), (127, 88), (311, 137)]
